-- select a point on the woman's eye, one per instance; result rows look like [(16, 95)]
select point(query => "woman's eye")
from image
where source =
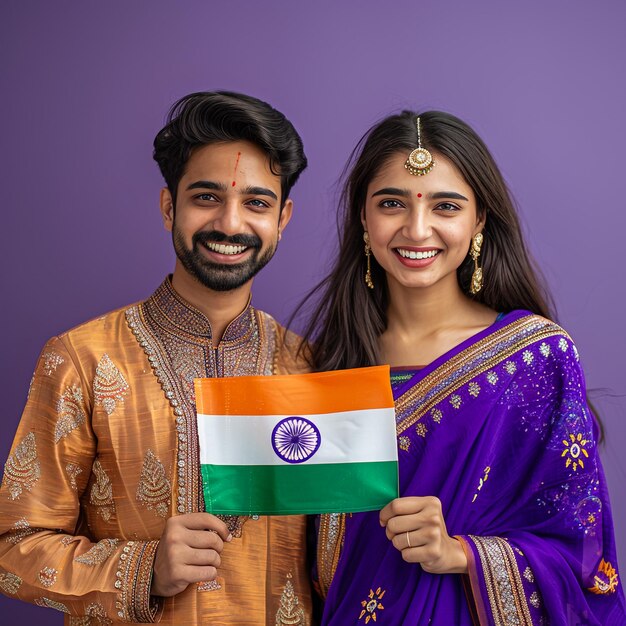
[(447, 206), (390, 204)]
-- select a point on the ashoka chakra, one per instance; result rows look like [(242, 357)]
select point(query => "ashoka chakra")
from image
[(295, 439)]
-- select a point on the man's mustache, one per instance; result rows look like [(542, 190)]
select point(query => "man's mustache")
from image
[(215, 236)]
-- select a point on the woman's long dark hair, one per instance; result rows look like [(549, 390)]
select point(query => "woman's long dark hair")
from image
[(348, 318)]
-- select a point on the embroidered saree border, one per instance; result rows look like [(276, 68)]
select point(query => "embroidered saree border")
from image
[(330, 542), (503, 582), (469, 363)]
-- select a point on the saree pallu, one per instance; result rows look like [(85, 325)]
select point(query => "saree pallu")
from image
[(499, 430)]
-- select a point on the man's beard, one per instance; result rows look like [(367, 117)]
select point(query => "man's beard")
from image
[(218, 276)]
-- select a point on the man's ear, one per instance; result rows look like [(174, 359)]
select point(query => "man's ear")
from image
[(167, 209), (285, 217)]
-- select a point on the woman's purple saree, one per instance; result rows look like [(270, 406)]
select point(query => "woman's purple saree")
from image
[(499, 430)]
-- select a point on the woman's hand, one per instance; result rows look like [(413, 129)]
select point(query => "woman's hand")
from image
[(416, 527)]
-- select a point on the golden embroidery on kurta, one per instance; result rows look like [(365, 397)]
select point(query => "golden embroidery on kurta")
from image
[(133, 580), (20, 529), (154, 490), (404, 443), (47, 576), (70, 413), (101, 495), (605, 580), (289, 611), (73, 470), (98, 553), (30, 387), (109, 385), (80, 621), (9, 583), (209, 585), (52, 604), (51, 360), (22, 469), (372, 604), (95, 609), (234, 523), (177, 341)]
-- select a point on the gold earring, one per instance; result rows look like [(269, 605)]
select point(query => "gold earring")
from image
[(368, 254), (477, 277)]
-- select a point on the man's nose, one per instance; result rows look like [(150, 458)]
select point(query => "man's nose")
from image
[(229, 219)]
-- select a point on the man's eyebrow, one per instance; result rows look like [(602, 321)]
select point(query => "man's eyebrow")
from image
[(452, 195), (392, 191), (207, 184), (258, 191)]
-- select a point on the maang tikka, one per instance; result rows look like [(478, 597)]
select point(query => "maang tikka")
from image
[(420, 161), (476, 283)]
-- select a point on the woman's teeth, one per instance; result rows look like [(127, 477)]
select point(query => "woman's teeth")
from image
[(415, 254)]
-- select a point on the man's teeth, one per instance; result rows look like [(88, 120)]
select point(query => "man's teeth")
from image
[(222, 248), (414, 254)]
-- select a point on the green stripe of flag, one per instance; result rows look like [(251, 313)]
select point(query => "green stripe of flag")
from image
[(299, 489)]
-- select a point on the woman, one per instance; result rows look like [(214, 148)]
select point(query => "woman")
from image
[(504, 516)]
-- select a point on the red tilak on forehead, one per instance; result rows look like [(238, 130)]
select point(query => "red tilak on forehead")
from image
[(235, 170), (419, 195)]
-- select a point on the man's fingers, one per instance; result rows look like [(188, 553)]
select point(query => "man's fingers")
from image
[(203, 558), (198, 574), (205, 540), (204, 521)]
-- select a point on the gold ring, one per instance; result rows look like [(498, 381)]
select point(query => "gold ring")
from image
[(408, 541)]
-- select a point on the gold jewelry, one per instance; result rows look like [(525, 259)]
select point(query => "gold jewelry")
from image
[(420, 161), (477, 277), (368, 253), (408, 541)]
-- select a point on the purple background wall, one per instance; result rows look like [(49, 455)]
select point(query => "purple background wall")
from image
[(86, 86)]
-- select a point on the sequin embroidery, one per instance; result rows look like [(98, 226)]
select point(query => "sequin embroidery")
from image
[(98, 553), (101, 495), (70, 413), (289, 610), (372, 604), (47, 576), (605, 580), (51, 360), (109, 385), (154, 490), (9, 583), (73, 470), (52, 604), (22, 469)]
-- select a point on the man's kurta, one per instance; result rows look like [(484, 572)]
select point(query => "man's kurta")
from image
[(107, 450)]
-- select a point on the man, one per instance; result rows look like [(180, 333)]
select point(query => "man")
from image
[(101, 505)]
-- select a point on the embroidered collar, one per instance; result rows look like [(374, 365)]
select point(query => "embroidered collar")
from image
[(175, 315)]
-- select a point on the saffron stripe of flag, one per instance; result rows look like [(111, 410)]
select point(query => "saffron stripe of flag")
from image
[(308, 443)]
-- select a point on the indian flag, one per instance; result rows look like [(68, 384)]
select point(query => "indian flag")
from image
[(307, 443)]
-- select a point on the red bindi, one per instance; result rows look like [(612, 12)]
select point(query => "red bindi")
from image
[(419, 195), (235, 170)]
